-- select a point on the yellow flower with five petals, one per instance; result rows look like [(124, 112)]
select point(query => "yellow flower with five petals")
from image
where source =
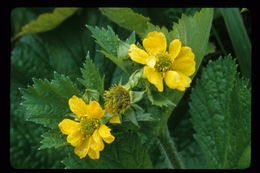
[(87, 132), (174, 66)]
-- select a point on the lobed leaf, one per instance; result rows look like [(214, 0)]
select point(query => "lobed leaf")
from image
[(52, 138), (46, 102), (90, 76), (114, 49)]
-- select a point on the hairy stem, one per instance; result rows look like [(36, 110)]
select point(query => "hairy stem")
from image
[(170, 150)]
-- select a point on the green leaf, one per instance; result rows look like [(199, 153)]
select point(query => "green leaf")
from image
[(130, 115), (106, 38), (48, 21), (220, 109), (131, 39), (141, 116), (46, 102), (114, 48), (90, 76), (107, 116), (122, 51), (245, 159), (53, 138), (211, 48), (134, 79), (127, 18), (136, 96), (90, 95), (159, 99), (239, 38), (28, 61)]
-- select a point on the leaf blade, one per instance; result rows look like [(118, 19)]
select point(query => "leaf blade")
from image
[(48, 21), (239, 38)]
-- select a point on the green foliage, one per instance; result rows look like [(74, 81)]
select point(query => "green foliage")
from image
[(62, 49), (47, 101), (220, 109), (159, 99), (114, 48), (52, 138), (130, 115), (90, 76), (127, 18), (48, 21), (245, 159), (238, 35)]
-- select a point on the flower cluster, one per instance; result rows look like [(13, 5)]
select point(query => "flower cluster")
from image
[(87, 132)]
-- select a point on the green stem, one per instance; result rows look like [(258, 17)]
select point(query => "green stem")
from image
[(170, 150), (16, 37)]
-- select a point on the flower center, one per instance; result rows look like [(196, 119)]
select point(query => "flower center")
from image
[(163, 64), (117, 99), (89, 125)]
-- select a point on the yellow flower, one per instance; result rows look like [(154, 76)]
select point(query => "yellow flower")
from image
[(174, 66), (87, 132), (117, 100)]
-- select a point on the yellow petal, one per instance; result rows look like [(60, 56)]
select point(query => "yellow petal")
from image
[(151, 61), (174, 48), (155, 43), (93, 154), (172, 79), (78, 106), (115, 120), (186, 52), (97, 143), (185, 65), (104, 131), (82, 149), (67, 126), (137, 55), (177, 80), (154, 77), (184, 83), (109, 139), (75, 138), (95, 110)]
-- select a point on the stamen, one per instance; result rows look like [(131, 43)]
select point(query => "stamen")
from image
[(89, 125), (163, 64)]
